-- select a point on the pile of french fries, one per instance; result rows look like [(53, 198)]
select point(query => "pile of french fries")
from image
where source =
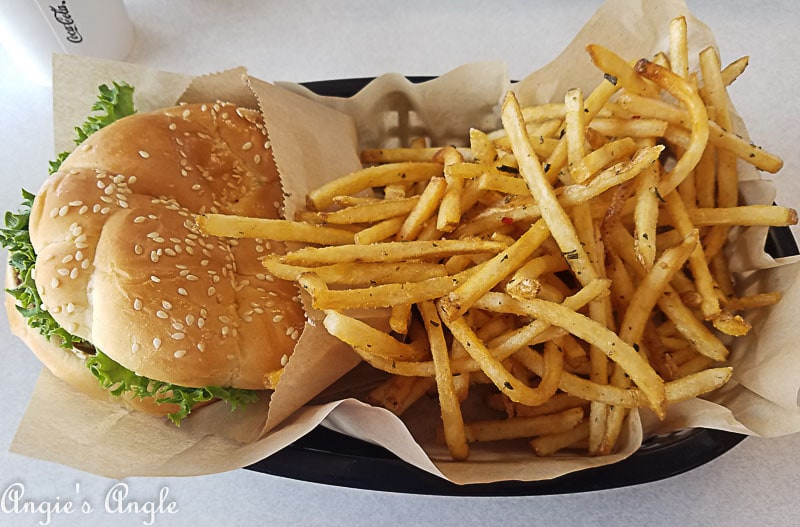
[(571, 263)]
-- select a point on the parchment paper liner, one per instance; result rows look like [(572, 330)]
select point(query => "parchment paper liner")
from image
[(311, 145)]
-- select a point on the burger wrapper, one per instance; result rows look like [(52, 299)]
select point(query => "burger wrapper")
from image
[(315, 139)]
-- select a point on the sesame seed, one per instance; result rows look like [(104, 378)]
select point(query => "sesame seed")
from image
[(85, 264), (101, 183), (81, 245), (192, 278), (67, 259), (156, 343), (247, 146), (155, 279), (201, 346), (224, 319), (83, 210), (131, 180), (139, 219), (54, 283), (211, 291), (96, 208), (70, 307), (257, 159), (79, 255), (143, 154), (277, 318), (178, 336), (295, 335), (105, 210), (179, 353), (189, 319), (135, 347), (182, 292), (63, 210), (173, 126), (137, 304), (225, 331), (74, 273), (166, 305), (284, 359), (63, 272), (267, 145), (109, 190), (201, 322), (289, 331), (54, 212), (138, 249), (186, 114), (161, 314), (170, 252)]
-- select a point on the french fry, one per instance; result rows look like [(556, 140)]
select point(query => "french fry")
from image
[(362, 336), (522, 427), (685, 93), (369, 212), (452, 420), (268, 229), (376, 176), (425, 208), (389, 251)]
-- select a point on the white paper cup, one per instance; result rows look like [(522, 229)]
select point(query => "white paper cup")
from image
[(33, 30)]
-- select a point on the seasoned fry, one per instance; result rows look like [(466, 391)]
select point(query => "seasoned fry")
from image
[(685, 93), (453, 422), (376, 176), (358, 274), (389, 251), (268, 229)]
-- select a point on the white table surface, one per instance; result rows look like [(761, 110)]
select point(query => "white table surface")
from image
[(754, 484)]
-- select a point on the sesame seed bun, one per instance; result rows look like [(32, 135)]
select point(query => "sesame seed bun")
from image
[(121, 264)]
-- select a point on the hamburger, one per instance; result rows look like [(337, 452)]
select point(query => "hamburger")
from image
[(114, 288)]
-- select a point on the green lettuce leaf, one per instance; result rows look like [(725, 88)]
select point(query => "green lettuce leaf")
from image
[(118, 380), (113, 104)]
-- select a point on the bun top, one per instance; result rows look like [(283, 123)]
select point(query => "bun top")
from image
[(121, 264)]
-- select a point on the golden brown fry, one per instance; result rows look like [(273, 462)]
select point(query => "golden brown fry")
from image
[(547, 445), (769, 215), (523, 427), (389, 251), (362, 336), (357, 274), (376, 176), (269, 229), (452, 420), (685, 93), (425, 208)]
